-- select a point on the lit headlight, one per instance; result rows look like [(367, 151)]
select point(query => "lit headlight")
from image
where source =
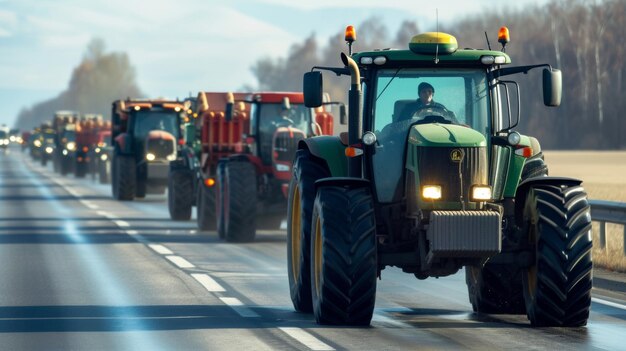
[(431, 192), (12, 138), (49, 150), (282, 168), (37, 143), (71, 146), (150, 157), (481, 193), (64, 152), (171, 157), (97, 150), (104, 157)]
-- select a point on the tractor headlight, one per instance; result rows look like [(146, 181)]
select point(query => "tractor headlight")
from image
[(282, 168), (481, 193), (97, 150), (171, 157), (104, 157), (369, 138), (49, 150), (150, 157), (37, 143), (71, 146), (431, 192)]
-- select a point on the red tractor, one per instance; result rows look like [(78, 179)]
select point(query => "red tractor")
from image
[(252, 183)]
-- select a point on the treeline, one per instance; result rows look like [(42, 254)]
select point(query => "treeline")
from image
[(99, 79), (582, 38)]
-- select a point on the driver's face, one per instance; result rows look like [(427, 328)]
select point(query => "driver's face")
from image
[(426, 96)]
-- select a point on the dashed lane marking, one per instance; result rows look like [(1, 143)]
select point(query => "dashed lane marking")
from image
[(132, 232), (160, 249), (608, 303), (208, 283), (121, 223), (239, 307), (180, 262), (306, 338)]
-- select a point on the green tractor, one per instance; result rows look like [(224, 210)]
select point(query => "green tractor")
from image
[(433, 187)]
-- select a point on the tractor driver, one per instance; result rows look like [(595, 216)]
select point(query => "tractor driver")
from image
[(425, 93)]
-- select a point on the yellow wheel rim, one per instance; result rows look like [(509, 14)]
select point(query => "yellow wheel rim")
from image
[(295, 234), (317, 254)]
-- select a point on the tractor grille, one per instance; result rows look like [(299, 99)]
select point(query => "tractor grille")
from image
[(286, 143), (437, 168), (161, 148)]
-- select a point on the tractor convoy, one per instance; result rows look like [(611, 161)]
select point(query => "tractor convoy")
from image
[(430, 177)]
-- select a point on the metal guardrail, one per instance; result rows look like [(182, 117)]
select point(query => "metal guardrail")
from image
[(608, 212)]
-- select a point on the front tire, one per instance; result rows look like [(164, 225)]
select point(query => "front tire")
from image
[(300, 211), (557, 288), (239, 202), (205, 207), (124, 178), (343, 256), (180, 195)]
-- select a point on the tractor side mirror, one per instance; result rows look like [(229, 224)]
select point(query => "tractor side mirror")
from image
[(228, 112), (552, 87), (190, 134), (343, 116), (313, 89)]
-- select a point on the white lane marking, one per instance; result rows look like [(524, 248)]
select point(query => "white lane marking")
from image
[(132, 232), (306, 338), (160, 249), (180, 262), (608, 303), (102, 213), (90, 205), (239, 307), (121, 223), (208, 283), (283, 225)]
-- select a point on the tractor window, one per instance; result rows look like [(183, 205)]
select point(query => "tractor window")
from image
[(146, 121), (457, 96), (272, 116)]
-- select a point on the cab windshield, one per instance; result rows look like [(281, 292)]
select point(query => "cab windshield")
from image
[(458, 96), (271, 117), (146, 121)]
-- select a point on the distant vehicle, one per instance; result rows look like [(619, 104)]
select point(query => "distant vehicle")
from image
[(145, 135)]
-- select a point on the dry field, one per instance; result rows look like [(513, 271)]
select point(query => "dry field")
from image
[(604, 178)]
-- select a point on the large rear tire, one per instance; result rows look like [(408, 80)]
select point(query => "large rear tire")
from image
[(180, 195), (205, 207), (300, 211), (239, 201), (557, 287), (124, 178), (343, 256)]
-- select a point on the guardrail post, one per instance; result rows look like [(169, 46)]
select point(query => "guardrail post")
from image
[(602, 235)]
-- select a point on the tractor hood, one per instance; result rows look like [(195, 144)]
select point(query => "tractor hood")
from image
[(445, 135)]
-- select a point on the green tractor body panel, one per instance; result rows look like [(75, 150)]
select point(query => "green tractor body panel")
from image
[(331, 150), (445, 135), (515, 167), (449, 141)]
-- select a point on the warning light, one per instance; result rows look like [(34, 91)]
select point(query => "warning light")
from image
[(350, 34), (209, 182)]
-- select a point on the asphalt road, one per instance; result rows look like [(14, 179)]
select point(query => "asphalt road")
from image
[(79, 270)]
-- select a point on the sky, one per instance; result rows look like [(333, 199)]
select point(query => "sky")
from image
[(178, 47)]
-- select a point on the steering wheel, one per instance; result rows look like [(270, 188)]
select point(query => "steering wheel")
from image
[(434, 114)]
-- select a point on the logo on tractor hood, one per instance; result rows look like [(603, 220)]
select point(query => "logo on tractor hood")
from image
[(456, 155)]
